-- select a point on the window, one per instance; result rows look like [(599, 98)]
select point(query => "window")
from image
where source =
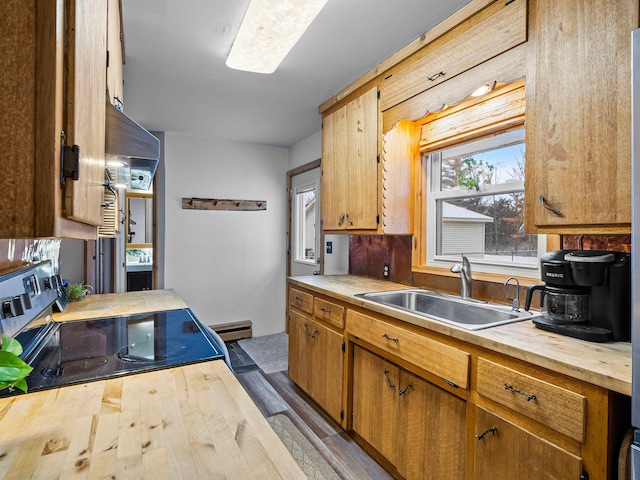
[(306, 212), (475, 206)]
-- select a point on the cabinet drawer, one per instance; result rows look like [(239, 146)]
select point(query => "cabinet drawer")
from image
[(329, 312), (554, 406), (442, 360), (301, 300)]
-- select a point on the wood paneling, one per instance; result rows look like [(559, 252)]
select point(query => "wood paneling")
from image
[(485, 35)]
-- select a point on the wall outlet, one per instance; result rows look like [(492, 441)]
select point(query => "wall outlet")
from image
[(385, 270)]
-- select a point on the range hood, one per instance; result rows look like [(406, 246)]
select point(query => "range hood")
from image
[(130, 147)]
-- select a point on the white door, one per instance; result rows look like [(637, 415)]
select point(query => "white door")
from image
[(305, 223)]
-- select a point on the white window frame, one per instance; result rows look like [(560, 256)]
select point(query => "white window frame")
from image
[(299, 225), (433, 175)]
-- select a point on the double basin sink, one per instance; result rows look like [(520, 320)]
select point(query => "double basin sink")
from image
[(465, 313)]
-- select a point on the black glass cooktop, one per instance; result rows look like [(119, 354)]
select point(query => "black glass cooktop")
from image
[(86, 350)]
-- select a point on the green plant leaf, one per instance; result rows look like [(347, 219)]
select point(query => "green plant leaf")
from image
[(19, 384), (10, 344), (12, 368)]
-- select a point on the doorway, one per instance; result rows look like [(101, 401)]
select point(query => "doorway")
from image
[(304, 251)]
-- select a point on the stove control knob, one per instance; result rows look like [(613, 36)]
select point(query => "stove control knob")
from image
[(16, 306), (53, 282)]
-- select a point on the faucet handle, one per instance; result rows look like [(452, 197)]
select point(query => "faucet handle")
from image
[(515, 302)]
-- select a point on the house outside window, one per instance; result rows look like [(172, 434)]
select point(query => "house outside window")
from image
[(305, 212), (475, 206)]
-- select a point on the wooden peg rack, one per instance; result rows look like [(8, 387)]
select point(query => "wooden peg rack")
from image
[(222, 204)]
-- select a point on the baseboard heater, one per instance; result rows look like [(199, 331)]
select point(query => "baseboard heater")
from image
[(234, 331)]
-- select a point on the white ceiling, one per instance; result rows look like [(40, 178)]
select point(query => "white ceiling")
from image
[(176, 79)]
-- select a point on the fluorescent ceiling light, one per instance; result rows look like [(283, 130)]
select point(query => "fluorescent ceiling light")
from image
[(269, 31)]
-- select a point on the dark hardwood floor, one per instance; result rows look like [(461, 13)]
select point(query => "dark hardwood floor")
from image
[(275, 393)]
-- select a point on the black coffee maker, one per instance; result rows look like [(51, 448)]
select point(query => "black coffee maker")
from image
[(586, 294)]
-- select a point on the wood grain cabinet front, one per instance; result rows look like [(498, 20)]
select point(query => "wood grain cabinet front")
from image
[(416, 426), (329, 312), (552, 405), (54, 54), (444, 361), (301, 300), (578, 116), (316, 363), (350, 165), (504, 451)]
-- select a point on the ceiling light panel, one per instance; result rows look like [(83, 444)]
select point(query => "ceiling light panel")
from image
[(269, 31)]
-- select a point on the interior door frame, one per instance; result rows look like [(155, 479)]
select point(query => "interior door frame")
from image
[(291, 173)]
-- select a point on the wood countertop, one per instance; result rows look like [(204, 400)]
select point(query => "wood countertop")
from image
[(189, 422), (193, 421), (114, 304), (607, 365)]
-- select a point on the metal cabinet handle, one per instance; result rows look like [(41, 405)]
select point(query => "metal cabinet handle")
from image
[(405, 390), (313, 334), (299, 300), (492, 431), (514, 390), (391, 385), (543, 201), (395, 340), (341, 219), (435, 75), (349, 220), (326, 311)]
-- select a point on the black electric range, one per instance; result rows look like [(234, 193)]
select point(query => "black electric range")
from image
[(85, 350)]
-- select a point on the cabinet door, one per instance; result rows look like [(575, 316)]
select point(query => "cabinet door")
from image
[(299, 364), (350, 165), (334, 172), (327, 366), (375, 406), (114, 46), (362, 162), (578, 133), (85, 109), (507, 451), (432, 428)]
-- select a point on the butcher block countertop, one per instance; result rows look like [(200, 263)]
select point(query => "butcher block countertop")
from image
[(194, 421), (607, 365)]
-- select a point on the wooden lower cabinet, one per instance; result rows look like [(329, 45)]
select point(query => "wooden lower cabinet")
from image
[(417, 426), (506, 451), (316, 362)]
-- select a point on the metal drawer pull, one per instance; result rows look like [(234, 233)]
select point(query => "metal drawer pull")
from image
[(492, 430), (405, 390), (435, 75), (391, 385), (514, 390), (341, 219), (298, 299), (389, 338), (326, 311)]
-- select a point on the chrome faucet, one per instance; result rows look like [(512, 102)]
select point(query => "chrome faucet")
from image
[(465, 276), (515, 301)]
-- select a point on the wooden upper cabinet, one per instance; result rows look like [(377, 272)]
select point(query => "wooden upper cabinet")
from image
[(578, 126), (486, 34), (350, 165), (115, 86), (53, 69), (85, 110)]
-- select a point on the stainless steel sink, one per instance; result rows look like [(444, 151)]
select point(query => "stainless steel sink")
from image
[(469, 314)]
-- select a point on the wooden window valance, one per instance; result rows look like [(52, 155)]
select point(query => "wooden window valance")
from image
[(498, 110)]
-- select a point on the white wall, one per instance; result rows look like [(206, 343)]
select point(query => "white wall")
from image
[(227, 265), (306, 151)]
